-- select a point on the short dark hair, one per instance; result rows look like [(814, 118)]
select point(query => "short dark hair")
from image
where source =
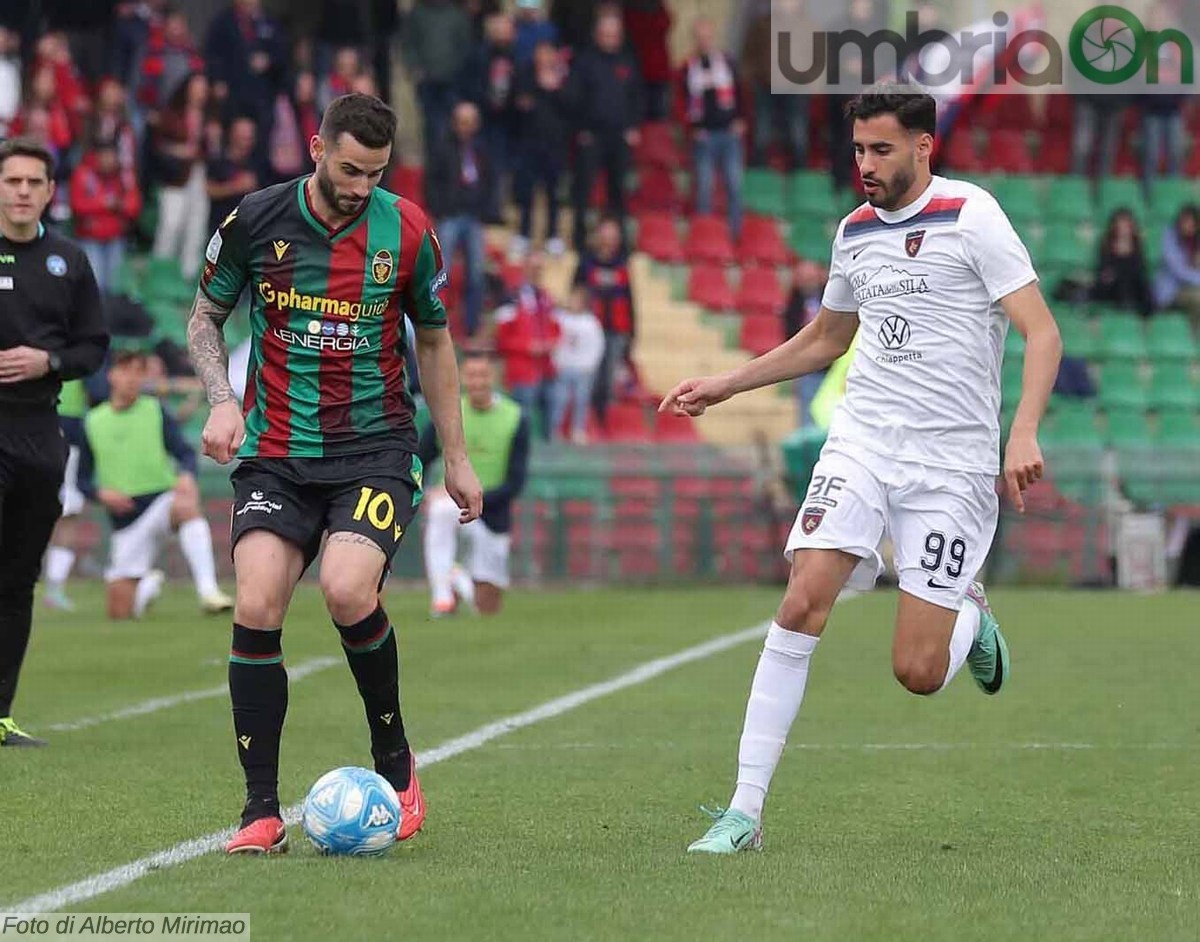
[(364, 117), (913, 108), (477, 353), (123, 355), (27, 147)]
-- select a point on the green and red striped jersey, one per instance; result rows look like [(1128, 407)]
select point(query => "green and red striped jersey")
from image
[(327, 372)]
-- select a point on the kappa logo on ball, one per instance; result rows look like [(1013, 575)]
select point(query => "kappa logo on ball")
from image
[(811, 518)]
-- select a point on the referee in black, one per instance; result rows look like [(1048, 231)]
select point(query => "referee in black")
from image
[(51, 329)]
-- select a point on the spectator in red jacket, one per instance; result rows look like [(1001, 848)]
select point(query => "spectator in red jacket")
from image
[(526, 335), (54, 54), (105, 203), (171, 56), (648, 25)]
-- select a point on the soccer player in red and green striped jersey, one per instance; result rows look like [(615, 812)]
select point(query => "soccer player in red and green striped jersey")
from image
[(333, 263)]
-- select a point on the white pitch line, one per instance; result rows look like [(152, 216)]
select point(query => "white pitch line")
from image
[(120, 877), (299, 672)]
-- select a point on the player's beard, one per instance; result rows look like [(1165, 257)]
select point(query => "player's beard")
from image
[(889, 193), (342, 205)]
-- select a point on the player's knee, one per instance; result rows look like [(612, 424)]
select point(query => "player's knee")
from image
[(800, 611), (919, 675), (443, 511), (348, 597), (259, 607)]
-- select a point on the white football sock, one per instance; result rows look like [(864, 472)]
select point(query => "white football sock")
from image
[(195, 539), (59, 561), (775, 697), (965, 628), (148, 589), (464, 585), (441, 544)]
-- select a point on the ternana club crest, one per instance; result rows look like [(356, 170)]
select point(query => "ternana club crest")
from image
[(912, 242), (381, 266), (811, 518)]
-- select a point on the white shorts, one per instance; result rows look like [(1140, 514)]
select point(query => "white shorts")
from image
[(135, 548), (69, 495), (487, 558), (941, 522)]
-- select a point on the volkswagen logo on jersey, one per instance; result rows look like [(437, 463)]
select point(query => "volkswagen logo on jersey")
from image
[(912, 242), (894, 332)]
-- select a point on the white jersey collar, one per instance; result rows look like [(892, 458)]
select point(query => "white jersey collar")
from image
[(900, 215)]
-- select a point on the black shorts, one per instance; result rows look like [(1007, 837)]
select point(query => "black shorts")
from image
[(300, 499)]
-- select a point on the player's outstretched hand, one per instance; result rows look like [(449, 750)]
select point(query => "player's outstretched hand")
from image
[(464, 489), (223, 432), (693, 396), (1022, 466)]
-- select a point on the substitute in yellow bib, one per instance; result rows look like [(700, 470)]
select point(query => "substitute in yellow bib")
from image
[(135, 461)]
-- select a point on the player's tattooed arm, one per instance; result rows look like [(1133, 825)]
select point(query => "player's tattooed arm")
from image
[(206, 347)]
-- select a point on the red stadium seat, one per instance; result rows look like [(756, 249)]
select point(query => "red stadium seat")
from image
[(760, 334), (1008, 152), (626, 423), (762, 242), (709, 287), (960, 152), (673, 428), (708, 241), (658, 238), (759, 293), (1054, 155), (659, 147), (656, 192)]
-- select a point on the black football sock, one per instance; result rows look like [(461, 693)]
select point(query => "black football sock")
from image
[(258, 687), (370, 647)]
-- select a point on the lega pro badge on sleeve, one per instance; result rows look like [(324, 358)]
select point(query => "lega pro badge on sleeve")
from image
[(213, 252)]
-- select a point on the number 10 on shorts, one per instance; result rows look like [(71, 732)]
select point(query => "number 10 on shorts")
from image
[(379, 510)]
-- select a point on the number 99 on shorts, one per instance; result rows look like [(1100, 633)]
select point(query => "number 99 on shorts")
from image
[(379, 510)]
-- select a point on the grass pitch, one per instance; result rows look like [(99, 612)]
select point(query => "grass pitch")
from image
[(1064, 809)]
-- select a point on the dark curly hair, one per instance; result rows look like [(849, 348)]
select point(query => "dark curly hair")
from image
[(913, 108)]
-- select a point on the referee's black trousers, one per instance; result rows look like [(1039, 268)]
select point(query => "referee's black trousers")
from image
[(33, 456)]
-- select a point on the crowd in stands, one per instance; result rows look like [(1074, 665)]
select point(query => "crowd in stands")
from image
[(162, 124)]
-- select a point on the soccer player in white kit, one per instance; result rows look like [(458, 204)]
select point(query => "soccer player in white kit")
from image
[(928, 272)]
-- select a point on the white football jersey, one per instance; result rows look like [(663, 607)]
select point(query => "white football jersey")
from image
[(925, 281)]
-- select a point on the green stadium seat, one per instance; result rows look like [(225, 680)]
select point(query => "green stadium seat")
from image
[(1020, 198), (1010, 381), (1168, 194), (1120, 193), (1070, 199), (1072, 427), (1177, 428), (1078, 338), (1169, 337), (1121, 387), (810, 242), (1128, 429), (1014, 345), (810, 194), (1173, 387), (763, 192), (1122, 337), (1066, 247)]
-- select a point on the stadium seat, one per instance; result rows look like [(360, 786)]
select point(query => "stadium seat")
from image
[(760, 334), (1007, 151), (811, 242), (1128, 429), (763, 192), (1177, 428), (1172, 387), (1121, 387), (1169, 337), (658, 238), (708, 286), (1168, 194), (659, 147), (960, 153), (656, 191), (708, 241), (1121, 337), (1010, 381), (1064, 248), (1120, 193), (1077, 337), (1073, 426), (1070, 200), (762, 243), (626, 422), (408, 180), (673, 428), (1014, 345), (811, 196), (1054, 152), (760, 292), (1020, 197)]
